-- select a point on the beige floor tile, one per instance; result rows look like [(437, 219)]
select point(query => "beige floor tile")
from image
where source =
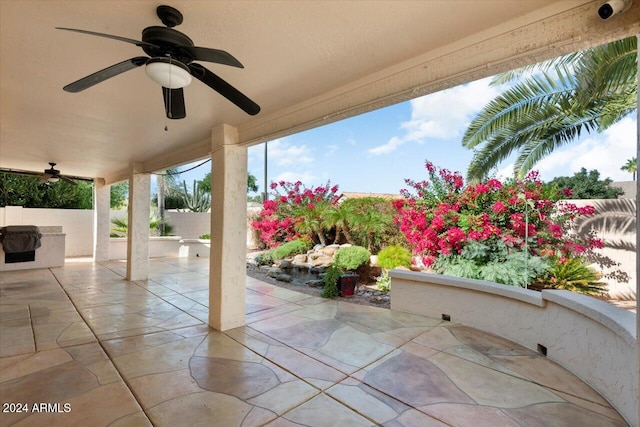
[(154, 389), (16, 333), (324, 411), (205, 409), (487, 386)]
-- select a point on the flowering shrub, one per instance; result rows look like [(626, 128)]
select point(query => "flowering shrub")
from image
[(442, 217), (293, 212)]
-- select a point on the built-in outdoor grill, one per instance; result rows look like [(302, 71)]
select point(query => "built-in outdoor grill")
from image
[(20, 242)]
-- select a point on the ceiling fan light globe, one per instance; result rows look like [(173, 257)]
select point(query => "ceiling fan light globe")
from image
[(169, 74), (54, 179)]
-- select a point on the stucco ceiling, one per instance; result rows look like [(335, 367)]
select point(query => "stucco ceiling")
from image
[(294, 53)]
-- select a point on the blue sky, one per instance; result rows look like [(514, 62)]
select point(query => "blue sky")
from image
[(374, 152)]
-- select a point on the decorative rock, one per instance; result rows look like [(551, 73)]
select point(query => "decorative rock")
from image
[(274, 272), (314, 283), (317, 270), (285, 264), (329, 250), (321, 261), (299, 259), (283, 277)]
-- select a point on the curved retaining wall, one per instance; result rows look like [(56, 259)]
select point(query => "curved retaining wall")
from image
[(594, 340)]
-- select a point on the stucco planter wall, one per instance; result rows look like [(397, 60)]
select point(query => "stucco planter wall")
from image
[(195, 248), (591, 338)]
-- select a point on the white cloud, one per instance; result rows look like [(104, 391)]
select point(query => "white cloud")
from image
[(444, 114), (441, 115), (505, 172), (606, 152), (390, 146), (332, 148), (283, 153), (305, 177)]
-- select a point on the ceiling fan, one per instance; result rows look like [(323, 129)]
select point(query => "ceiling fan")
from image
[(170, 63), (53, 175)]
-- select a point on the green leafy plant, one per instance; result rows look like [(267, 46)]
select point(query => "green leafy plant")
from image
[(369, 221), (573, 274), (197, 200), (383, 282), (120, 226), (205, 237), (330, 279), (351, 257), (494, 263), (394, 256), (265, 258), (297, 246)]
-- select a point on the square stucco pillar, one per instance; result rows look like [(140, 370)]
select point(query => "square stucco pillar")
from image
[(101, 204), (227, 262), (138, 225)]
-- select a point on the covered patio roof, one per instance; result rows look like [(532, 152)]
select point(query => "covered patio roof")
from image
[(306, 64)]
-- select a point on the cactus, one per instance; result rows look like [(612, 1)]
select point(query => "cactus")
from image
[(198, 200)]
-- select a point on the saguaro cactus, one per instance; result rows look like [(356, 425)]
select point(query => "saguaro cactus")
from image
[(197, 200)]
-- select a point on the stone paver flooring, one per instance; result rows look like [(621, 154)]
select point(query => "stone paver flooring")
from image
[(89, 348)]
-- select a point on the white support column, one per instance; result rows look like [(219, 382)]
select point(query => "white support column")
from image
[(101, 204), (138, 226), (227, 262)]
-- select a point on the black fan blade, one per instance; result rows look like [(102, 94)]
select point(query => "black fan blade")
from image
[(107, 73), (211, 55), (224, 89), (174, 103), (109, 36), (69, 180)]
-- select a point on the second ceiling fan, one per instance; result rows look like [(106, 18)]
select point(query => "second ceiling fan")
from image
[(171, 64)]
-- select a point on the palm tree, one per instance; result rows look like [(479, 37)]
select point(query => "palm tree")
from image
[(338, 216), (557, 101), (311, 220), (370, 223), (631, 166)]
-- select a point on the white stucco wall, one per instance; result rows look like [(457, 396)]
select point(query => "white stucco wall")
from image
[(591, 338), (189, 225), (77, 224)]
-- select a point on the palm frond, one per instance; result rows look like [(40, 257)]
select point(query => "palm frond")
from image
[(518, 73), (555, 103), (515, 105)]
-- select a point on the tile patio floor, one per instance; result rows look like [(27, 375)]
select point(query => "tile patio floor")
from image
[(140, 353)]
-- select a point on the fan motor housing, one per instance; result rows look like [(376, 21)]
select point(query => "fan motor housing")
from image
[(168, 41)]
